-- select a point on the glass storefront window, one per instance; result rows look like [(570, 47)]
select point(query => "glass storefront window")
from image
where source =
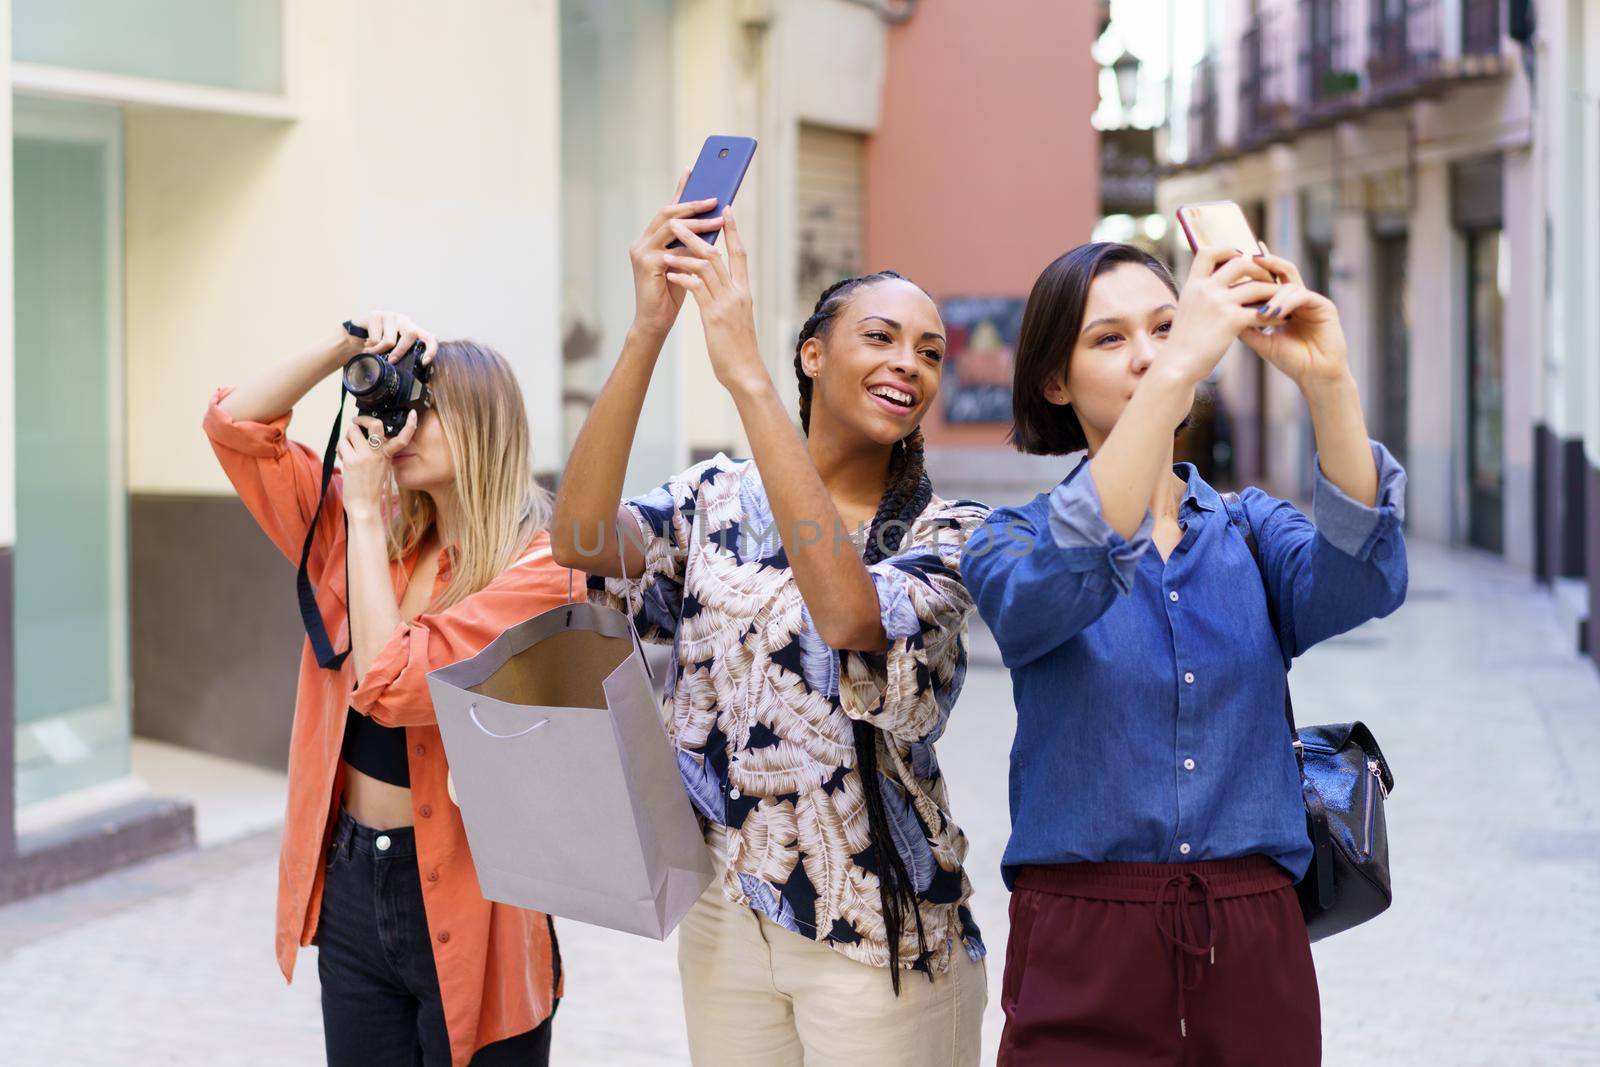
[(1486, 291), (227, 44), (71, 685), (617, 169)]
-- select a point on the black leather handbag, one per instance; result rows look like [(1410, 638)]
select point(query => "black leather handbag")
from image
[(1344, 780)]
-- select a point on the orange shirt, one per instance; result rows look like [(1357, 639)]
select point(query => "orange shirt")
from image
[(498, 965)]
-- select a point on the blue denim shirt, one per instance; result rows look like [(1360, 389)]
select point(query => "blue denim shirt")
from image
[(1149, 695)]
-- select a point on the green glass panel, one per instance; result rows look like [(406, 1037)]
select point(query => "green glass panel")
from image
[(229, 44), (72, 717), (617, 169)]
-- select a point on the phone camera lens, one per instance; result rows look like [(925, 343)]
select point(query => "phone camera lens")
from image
[(722, 154)]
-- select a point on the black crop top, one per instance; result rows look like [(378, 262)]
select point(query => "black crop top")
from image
[(376, 750)]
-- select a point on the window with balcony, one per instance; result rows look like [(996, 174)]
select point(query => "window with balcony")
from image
[(1328, 74)]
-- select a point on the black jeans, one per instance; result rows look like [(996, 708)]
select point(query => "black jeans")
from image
[(380, 992)]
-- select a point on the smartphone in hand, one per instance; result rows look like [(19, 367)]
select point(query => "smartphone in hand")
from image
[(1218, 222), (717, 173)]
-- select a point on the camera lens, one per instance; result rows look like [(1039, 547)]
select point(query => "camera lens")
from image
[(370, 377)]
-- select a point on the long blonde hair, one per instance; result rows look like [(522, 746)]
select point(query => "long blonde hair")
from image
[(499, 505)]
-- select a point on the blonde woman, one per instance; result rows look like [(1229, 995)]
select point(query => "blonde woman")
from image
[(429, 545)]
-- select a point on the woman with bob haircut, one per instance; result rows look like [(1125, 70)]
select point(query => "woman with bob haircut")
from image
[(1158, 827)]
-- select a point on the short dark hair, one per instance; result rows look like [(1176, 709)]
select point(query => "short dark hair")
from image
[(1050, 326)]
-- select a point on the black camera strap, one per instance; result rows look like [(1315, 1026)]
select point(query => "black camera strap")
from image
[(309, 614), (316, 630)]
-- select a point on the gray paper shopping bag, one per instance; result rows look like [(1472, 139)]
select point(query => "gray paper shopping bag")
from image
[(567, 783)]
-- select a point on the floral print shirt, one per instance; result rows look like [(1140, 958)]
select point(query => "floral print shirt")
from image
[(760, 710)]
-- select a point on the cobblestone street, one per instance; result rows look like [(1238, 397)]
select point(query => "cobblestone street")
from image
[(1490, 955)]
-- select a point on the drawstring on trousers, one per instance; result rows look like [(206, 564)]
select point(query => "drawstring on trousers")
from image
[(1172, 919)]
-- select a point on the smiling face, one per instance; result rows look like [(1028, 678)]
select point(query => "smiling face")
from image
[(1126, 320), (875, 366)]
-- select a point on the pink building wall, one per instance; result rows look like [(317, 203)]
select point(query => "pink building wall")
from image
[(984, 166)]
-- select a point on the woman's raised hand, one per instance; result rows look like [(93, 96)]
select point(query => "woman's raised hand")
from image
[(655, 301), (391, 334), (1213, 309), (721, 289), (366, 466), (1310, 346)]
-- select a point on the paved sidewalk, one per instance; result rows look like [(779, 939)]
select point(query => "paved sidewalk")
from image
[(1490, 956)]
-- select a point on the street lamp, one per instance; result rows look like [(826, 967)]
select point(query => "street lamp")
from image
[(1126, 69)]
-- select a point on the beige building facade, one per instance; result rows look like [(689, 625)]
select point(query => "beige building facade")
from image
[(203, 185), (1432, 165)]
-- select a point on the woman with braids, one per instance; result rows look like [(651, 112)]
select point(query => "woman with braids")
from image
[(808, 681), (1157, 823)]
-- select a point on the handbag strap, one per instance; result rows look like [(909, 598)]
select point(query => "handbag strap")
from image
[(627, 599), (1237, 517), (1321, 840)]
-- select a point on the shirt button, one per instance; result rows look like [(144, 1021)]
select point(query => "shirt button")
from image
[(1189, 677), (1184, 848), (433, 876), (419, 750), (444, 935), (1188, 764), (734, 794), (381, 842), (425, 811), (1173, 596)]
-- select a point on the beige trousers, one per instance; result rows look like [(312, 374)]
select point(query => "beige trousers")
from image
[(757, 995)]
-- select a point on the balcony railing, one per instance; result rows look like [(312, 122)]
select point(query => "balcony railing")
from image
[(1304, 63), (1403, 45), (1265, 111), (1329, 78)]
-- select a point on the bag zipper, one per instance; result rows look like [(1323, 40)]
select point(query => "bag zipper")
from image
[(1376, 773)]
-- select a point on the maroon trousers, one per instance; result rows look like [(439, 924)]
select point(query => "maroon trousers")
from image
[(1189, 964)]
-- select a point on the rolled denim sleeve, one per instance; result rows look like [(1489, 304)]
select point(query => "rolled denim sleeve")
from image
[(1080, 530), (1352, 527), (1041, 573), (1343, 566)]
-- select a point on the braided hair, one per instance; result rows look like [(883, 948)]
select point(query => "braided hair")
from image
[(904, 498)]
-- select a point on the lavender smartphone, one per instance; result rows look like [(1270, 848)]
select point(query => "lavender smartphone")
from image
[(717, 173)]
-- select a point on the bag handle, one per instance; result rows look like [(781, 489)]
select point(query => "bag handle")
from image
[(1237, 518), (1321, 840), (472, 711), (633, 630)]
